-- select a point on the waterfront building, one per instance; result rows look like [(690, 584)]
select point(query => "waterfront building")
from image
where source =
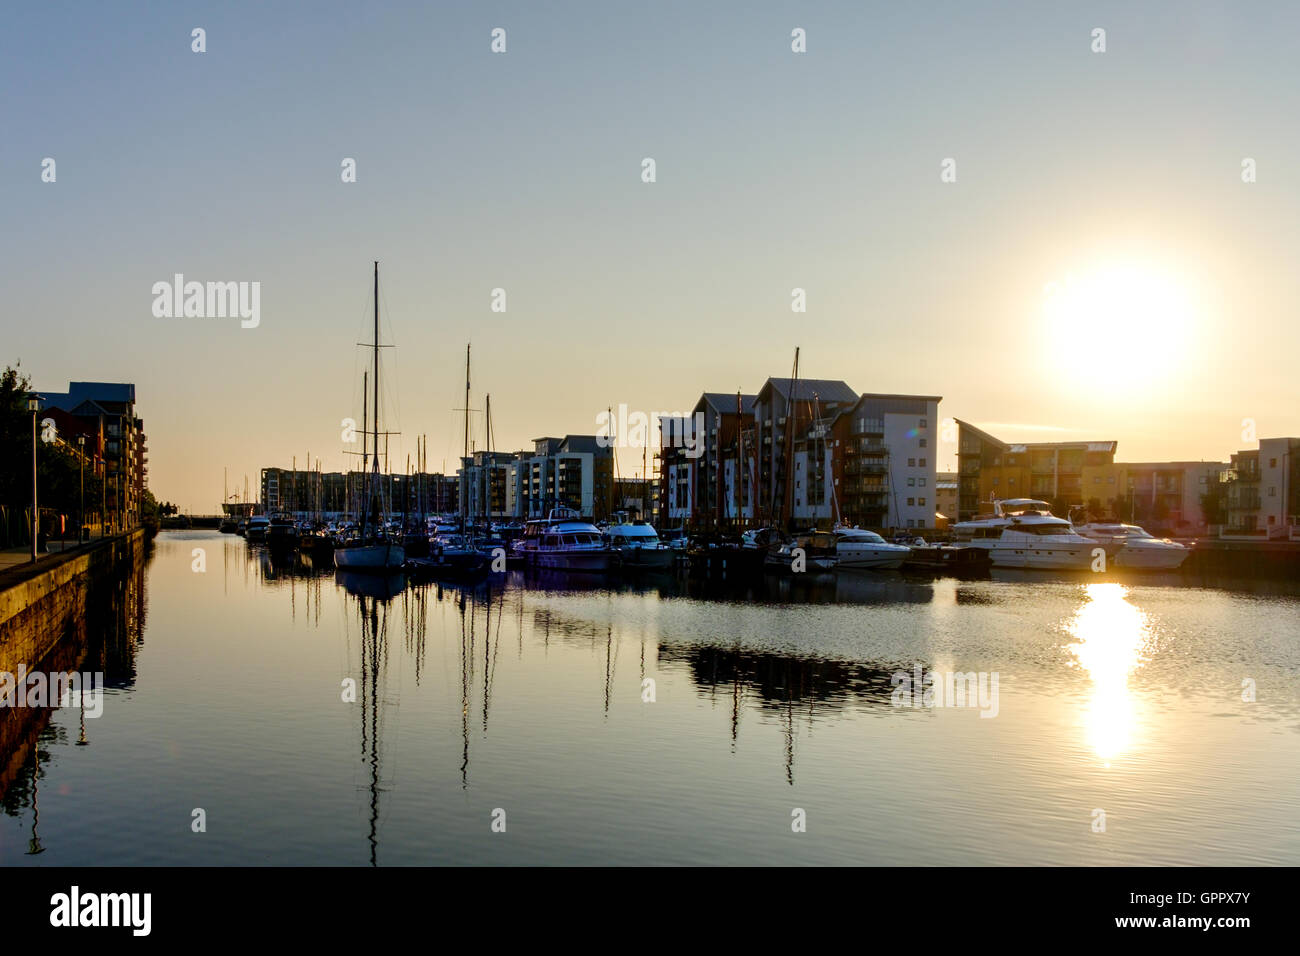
[(990, 468), (786, 410), (333, 495), (484, 485), (1164, 497), (945, 498), (810, 450), (107, 411), (1261, 490), (575, 471), (882, 457)]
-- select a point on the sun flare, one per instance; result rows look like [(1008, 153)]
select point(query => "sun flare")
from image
[(1126, 324)]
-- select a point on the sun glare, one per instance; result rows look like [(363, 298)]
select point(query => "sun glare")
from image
[(1125, 325)]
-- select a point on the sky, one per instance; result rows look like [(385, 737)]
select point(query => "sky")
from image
[(1098, 268)]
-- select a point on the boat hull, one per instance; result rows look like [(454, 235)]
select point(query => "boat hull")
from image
[(869, 559), (587, 562), (1074, 557), (647, 559), (1151, 559), (370, 557)]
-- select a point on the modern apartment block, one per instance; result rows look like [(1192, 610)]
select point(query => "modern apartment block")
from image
[(810, 450), (945, 495), (1163, 496), (108, 411), (575, 471), (335, 494), (485, 484), (989, 468), (1262, 489), (883, 462)]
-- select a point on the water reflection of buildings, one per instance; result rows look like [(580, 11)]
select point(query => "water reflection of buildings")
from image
[(105, 639), (783, 686)]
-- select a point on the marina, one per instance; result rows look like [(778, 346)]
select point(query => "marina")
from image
[(767, 695)]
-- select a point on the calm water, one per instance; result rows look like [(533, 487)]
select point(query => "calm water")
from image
[(225, 693)]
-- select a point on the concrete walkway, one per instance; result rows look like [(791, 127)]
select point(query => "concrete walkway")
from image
[(22, 556)]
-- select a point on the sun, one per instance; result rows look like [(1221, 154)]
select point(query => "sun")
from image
[(1124, 324)]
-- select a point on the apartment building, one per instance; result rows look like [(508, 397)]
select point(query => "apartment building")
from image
[(108, 412), (989, 468), (1261, 489), (810, 451), (1165, 496), (883, 462)]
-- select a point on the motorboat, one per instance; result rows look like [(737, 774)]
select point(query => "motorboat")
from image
[(860, 548), (257, 527), (564, 542), (636, 545), (1039, 539), (815, 549), (281, 532), (985, 530), (454, 550), (1133, 547)]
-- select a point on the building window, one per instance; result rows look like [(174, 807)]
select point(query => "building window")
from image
[(911, 482), (921, 441), (911, 463), (911, 502), (922, 462), (922, 423), (920, 482), (921, 502)]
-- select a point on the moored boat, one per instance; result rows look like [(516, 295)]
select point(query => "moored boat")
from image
[(860, 548), (636, 546), (564, 542), (1038, 539), (1132, 547)]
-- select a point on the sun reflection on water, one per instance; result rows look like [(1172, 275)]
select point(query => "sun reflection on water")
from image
[(1113, 638)]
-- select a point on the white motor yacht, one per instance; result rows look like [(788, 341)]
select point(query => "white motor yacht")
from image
[(1135, 548), (564, 542), (859, 548), (637, 545), (984, 531), (1038, 539)]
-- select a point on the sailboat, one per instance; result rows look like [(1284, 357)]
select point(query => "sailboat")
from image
[(377, 548)]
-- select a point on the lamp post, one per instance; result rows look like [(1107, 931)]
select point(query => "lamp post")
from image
[(81, 476), (34, 406)]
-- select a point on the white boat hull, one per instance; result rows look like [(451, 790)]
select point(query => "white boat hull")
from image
[(370, 557), (1151, 559), (867, 557), (1076, 557)]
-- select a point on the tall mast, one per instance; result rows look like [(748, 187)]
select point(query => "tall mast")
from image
[(791, 409), (467, 400), (363, 497), (376, 385)]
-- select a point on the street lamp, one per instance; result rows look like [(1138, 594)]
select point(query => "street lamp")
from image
[(81, 475), (34, 406)]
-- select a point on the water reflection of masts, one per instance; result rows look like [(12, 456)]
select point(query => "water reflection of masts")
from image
[(466, 679), (609, 665), (374, 655)]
